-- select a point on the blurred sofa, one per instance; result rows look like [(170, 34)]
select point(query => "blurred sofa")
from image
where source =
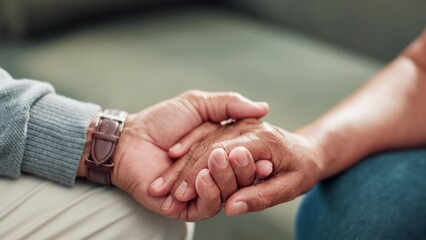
[(300, 56)]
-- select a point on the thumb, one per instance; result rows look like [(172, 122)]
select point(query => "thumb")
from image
[(220, 106), (263, 195)]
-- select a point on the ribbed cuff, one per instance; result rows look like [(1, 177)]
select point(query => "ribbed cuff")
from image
[(56, 135)]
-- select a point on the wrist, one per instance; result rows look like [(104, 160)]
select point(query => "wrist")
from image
[(128, 134), (317, 142)]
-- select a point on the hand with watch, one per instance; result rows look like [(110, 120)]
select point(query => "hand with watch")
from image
[(140, 154)]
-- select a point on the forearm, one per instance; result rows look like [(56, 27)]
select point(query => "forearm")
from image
[(388, 112), (41, 132)]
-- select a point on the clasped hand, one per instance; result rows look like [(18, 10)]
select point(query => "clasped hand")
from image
[(216, 163)]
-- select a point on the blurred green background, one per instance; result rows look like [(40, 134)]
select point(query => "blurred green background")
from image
[(300, 56)]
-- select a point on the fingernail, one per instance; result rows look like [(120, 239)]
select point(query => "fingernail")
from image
[(158, 182), (176, 147), (208, 179), (239, 208), (180, 192), (168, 203), (221, 161), (269, 170), (243, 159)]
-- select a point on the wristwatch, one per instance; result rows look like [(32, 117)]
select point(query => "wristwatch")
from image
[(104, 141)]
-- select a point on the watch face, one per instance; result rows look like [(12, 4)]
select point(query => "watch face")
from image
[(117, 115)]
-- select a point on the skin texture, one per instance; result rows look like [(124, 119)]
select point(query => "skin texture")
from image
[(142, 151), (388, 112)]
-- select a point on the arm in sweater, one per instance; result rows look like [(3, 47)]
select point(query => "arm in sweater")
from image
[(41, 132)]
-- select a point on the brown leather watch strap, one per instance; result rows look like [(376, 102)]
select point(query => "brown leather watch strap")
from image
[(104, 140)]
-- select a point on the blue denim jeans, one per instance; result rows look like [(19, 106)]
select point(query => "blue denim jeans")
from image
[(382, 197)]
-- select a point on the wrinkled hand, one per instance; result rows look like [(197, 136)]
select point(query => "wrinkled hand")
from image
[(296, 159), (142, 151)]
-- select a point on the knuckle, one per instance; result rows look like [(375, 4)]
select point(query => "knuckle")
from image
[(218, 145), (235, 95), (269, 132), (261, 202), (272, 137), (193, 94)]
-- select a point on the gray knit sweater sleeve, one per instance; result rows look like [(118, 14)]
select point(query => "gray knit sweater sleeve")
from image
[(41, 132)]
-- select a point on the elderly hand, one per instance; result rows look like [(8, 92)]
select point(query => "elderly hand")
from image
[(142, 151), (297, 166)]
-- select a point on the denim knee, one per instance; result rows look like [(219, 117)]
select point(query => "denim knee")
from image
[(382, 197)]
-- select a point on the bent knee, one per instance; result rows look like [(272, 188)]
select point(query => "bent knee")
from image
[(382, 197)]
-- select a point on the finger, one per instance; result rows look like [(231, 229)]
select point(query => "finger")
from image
[(183, 146), (161, 186), (172, 208), (183, 178), (184, 190), (208, 202), (162, 205), (243, 165), (222, 173), (220, 106), (264, 168), (184, 187), (265, 194)]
